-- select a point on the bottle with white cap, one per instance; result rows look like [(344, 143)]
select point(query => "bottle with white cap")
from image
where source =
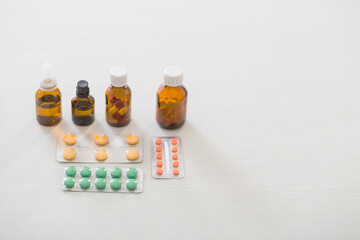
[(118, 98), (48, 99), (171, 99)]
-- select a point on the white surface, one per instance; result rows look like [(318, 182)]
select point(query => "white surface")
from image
[(272, 139)]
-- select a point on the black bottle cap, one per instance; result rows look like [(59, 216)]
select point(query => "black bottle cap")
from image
[(82, 88)]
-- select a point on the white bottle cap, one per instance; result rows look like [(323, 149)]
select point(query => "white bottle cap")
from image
[(118, 76), (48, 80), (173, 76)]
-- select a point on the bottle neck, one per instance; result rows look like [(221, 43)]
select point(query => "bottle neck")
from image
[(123, 86), (48, 89), (82, 96), (164, 84)]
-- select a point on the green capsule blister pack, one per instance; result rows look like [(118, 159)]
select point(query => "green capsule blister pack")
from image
[(103, 179)]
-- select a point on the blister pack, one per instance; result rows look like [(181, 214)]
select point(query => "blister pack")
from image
[(87, 148), (103, 179), (167, 157)]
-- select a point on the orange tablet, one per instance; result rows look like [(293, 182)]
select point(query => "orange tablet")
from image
[(159, 171), (175, 163)]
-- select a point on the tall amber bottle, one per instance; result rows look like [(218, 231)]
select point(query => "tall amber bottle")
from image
[(48, 99), (118, 98), (171, 99), (82, 105)]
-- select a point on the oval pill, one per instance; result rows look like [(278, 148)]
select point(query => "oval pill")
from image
[(159, 171), (116, 172), (70, 171), (69, 154), (100, 183), (132, 154), (85, 172), (115, 184), (132, 139), (101, 172), (159, 156), (174, 141), (159, 163), (101, 139), (176, 171), (158, 141), (70, 139), (101, 154), (174, 148), (175, 156), (158, 148), (175, 163), (85, 183), (132, 173), (131, 184), (69, 182)]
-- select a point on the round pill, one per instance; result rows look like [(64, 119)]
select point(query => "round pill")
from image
[(116, 172), (101, 172), (101, 154), (175, 156), (132, 173), (132, 139), (131, 184), (101, 139), (174, 148), (70, 139), (158, 148), (115, 184), (69, 182), (176, 171), (69, 154), (159, 171), (158, 141), (85, 183), (175, 163), (132, 154), (174, 141), (100, 183), (159, 156), (159, 163), (85, 172), (70, 171)]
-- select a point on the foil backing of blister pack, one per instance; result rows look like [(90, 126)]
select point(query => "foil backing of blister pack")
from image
[(85, 148), (108, 178), (167, 160)]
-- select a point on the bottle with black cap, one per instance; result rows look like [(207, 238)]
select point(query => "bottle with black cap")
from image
[(83, 105)]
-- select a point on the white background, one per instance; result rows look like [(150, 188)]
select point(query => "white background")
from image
[(272, 138)]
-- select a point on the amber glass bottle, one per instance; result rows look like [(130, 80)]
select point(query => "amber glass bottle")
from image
[(118, 98), (48, 99), (171, 100), (82, 105)]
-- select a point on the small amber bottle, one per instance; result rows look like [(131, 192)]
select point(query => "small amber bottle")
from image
[(171, 99), (82, 105), (118, 98), (48, 99)]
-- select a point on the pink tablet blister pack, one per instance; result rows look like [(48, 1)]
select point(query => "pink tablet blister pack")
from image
[(167, 157)]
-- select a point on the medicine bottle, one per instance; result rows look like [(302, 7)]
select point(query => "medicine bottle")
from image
[(82, 105), (48, 99), (171, 99), (118, 98)]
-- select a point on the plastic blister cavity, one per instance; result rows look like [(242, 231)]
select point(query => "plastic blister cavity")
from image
[(102, 178), (167, 158), (85, 148)]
